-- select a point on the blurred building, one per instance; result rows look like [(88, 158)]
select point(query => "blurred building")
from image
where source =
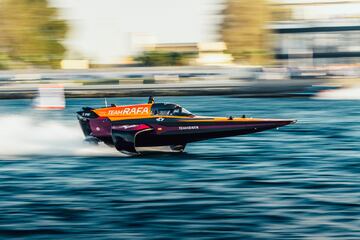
[(74, 64), (213, 53), (320, 32), (174, 47), (318, 42)]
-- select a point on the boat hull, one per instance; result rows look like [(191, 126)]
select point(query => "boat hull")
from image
[(127, 135), (175, 135)]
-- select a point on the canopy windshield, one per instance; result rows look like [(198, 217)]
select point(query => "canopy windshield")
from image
[(170, 110), (180, 111)]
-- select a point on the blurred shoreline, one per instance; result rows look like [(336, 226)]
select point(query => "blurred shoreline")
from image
[(244, 81), (270, 88)]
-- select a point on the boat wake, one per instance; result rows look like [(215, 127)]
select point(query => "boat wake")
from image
[(340, 94), (24, 135)]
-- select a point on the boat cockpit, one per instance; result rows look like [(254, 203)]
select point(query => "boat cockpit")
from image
[(169, 109)]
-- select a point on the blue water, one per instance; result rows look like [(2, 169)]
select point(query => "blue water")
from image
[(299, 182)]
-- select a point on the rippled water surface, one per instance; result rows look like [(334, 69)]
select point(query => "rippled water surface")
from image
[(299, 182)]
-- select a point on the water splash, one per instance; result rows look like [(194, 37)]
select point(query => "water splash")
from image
[(352, 93), (24, 135)]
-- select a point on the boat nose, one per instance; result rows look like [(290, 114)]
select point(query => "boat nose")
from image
[(287, 122), (283, 122)]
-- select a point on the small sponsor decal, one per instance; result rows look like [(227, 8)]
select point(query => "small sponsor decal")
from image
[(134, 127), (160, 119), (188, 127), (125, 126)]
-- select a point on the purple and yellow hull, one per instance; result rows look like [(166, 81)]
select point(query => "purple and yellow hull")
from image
[(127, 133)]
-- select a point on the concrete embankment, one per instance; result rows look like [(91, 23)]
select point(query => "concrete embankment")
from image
[(270, 88)]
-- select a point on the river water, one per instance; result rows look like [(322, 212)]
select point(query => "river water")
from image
[(299, 182)]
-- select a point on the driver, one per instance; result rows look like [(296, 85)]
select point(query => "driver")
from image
[(151, 100)]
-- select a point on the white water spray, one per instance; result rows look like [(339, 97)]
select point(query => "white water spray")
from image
[(24, 135)]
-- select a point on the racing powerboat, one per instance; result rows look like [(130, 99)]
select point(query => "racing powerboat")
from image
[(129, 128)]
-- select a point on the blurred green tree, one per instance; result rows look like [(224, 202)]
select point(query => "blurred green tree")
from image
[(244, 30), (160, 58), (31, 33)]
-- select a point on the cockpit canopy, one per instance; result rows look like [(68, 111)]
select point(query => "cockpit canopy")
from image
[(169, 109)]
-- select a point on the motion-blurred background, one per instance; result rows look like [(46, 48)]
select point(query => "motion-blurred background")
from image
[(298, 182), (107, 46)]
